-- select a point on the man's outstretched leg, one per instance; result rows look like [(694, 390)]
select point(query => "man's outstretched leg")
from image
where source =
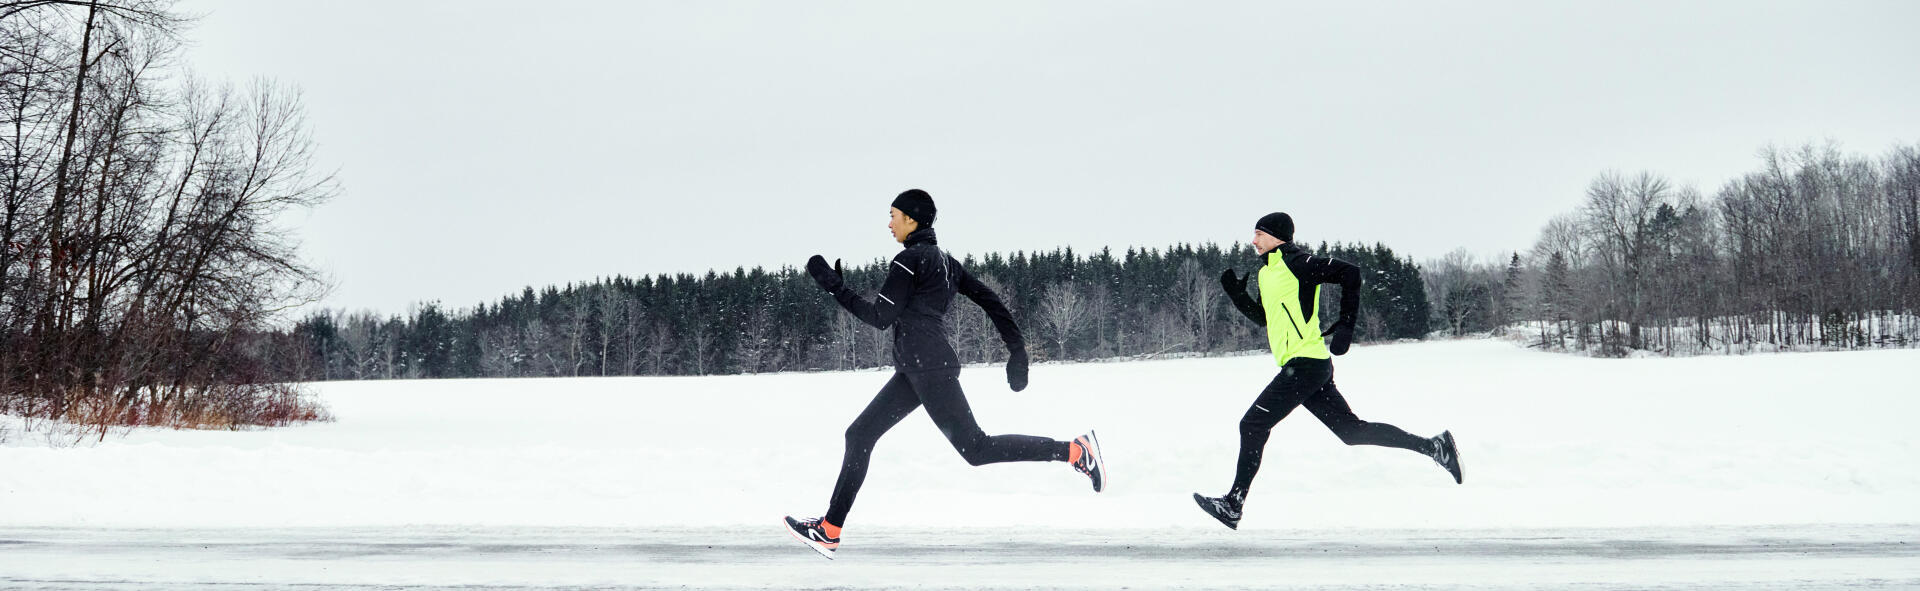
[(1332, 409), (1300, 378)]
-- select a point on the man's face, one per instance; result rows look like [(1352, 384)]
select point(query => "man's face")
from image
[(1264, 242), (900, 224)]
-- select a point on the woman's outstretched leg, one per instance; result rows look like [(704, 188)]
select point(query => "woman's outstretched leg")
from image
[(947, 405), (940, 392), (894, 402)]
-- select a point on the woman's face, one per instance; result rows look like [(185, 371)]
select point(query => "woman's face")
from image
[(900, 224)]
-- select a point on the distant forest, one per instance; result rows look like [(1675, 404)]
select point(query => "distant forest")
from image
[(144, 280), (1815, 250), (1070, 307)]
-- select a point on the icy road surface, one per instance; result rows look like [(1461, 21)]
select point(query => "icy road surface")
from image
[(1776, 557)]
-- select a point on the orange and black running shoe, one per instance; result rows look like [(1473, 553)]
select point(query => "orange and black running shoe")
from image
[(816, 533), (1084, 454)]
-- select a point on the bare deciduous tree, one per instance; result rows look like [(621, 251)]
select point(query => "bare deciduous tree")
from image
[(609, 310), (1199, 297), (1806, 251), (141, 253), (636, 333), (1063, 308)]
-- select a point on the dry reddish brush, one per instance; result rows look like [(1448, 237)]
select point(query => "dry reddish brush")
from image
[(141, 255)]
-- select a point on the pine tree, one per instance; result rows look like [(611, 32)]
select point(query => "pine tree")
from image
[(1510, 296)]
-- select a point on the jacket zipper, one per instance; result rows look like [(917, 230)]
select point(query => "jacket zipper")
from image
[(1296, 327)]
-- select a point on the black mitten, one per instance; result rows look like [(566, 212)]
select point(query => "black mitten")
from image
[(827, 277), (1232, 283), (1342, 337), (1017, 370)]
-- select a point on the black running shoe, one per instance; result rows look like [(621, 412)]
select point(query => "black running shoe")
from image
[(1226, 509), (1089, 462), (813, 533), (1446, 455)]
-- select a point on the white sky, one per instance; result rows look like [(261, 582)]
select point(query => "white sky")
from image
[(486, 146)]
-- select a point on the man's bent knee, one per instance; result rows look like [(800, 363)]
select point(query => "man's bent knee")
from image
[(1350, 433), (861, 436), (1255, 428)]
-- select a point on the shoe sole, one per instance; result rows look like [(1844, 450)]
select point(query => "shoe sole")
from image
[(1459, 471), (788, 526), (1099, 461), (1202, 502)]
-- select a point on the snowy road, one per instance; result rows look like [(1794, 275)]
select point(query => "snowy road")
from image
[(1772, 557)]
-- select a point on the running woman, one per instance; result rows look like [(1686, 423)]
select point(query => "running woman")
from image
[(913, 301)]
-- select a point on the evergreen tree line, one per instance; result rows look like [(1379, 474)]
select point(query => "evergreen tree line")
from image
[(1814, 249), (138, 259), (1070, 307)]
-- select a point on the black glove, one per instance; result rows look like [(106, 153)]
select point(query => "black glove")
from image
[(1017, 370), (828, 278), (1342, 332), (1232, 283)]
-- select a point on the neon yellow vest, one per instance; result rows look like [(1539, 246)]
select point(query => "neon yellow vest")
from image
[(1290, 331)]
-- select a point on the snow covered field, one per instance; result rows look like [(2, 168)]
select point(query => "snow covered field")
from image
[(1769, 471)]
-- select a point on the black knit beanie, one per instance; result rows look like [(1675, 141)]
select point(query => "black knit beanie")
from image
[(1277, 225), (917, 204)]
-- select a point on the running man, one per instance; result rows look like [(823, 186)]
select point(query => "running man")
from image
[(1289, 307), (913, 301)]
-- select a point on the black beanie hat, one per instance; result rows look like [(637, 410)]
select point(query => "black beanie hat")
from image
[(917, 204), (1277, 225)]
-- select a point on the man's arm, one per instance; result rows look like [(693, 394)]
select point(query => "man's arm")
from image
[(1325, 269), (1237, 291)]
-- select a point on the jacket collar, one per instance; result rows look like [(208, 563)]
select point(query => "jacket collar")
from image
[(1280, 253), (919, 237)]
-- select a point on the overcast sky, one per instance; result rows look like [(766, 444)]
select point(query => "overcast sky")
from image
[(486, 146)]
